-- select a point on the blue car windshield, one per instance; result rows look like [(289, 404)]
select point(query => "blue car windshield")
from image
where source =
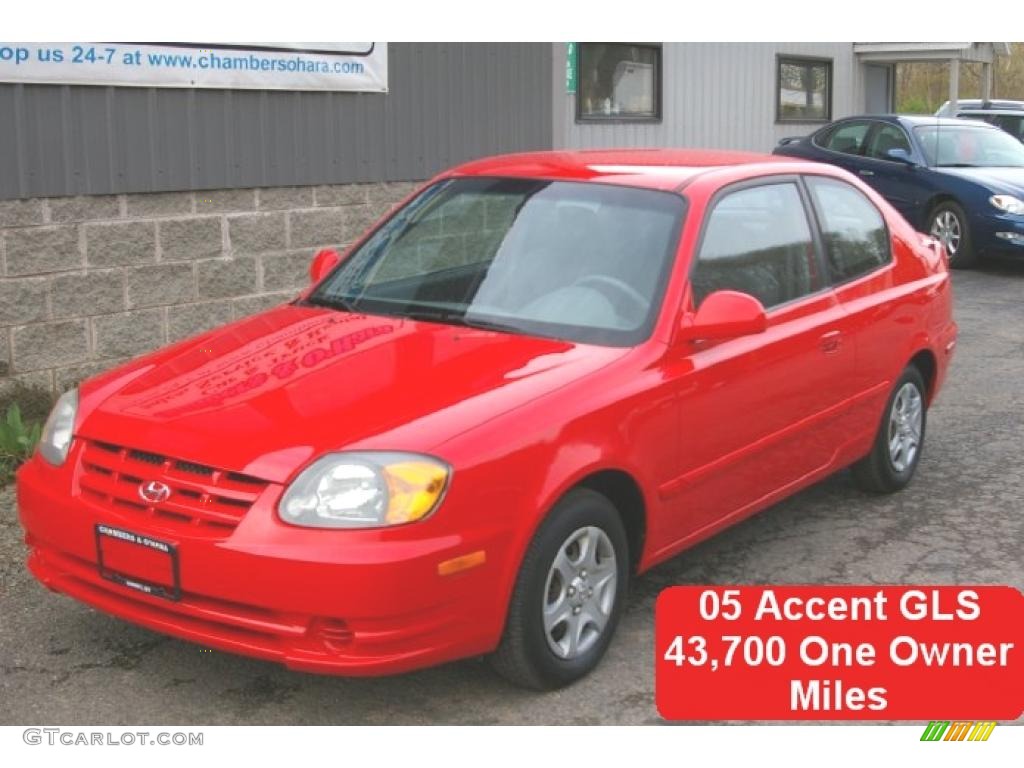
[(968, 146), (577, 261)]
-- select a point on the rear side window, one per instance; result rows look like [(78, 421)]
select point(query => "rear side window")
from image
[(757, 241), (847, 138), (1012, 124), (856, 239)]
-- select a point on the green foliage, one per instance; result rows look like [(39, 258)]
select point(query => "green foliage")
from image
[(916, 105), (922, 86), (17, 441)]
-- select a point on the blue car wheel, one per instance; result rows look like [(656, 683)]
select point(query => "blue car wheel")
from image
[(948, 224)]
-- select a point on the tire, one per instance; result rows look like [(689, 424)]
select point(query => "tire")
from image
[(885, 470), (948, 223), (526, 655)]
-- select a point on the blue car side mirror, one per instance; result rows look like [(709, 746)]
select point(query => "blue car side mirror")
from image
[(900, 155)]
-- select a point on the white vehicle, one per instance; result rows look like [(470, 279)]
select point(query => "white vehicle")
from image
[(1008, 115)]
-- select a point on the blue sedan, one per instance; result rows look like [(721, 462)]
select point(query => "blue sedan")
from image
[(962, 181)]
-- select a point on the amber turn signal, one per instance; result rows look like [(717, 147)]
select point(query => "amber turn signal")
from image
[(414, 488), (461, 563)]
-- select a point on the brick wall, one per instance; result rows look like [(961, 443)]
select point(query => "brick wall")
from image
[(87, 282)]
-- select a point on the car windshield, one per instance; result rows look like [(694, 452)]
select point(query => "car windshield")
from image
[(579, 261), (967, 146)]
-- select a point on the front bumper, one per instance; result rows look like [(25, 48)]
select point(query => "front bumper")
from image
[(338, 602), (999, 234)]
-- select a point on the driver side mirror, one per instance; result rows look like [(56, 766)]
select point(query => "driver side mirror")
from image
[(322, 263), (899, 155), (725, 315)]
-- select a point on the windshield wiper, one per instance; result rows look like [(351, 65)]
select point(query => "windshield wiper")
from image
[(333, 302), (491, 325), (957, 165), (457, 318)]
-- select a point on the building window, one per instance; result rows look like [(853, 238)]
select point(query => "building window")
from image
[(619, 82), (804, 90)]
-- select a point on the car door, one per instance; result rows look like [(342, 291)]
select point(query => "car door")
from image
[(755, 411), (897, 182), (859, 259)]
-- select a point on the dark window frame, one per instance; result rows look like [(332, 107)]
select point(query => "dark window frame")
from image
[(659, 69), (785, 58)]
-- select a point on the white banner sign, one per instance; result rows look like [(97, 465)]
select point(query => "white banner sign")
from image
[(270, 66)]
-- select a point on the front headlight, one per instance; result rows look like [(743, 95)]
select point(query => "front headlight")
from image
[(364, 490), (1007, 203), (55, 440)]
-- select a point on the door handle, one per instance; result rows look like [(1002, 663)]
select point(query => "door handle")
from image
[(866, 172), (831, 342)]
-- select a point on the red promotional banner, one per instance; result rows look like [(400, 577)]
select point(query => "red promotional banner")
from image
[(840, 653)]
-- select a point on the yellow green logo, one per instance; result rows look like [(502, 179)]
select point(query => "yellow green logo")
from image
[(958, 730)]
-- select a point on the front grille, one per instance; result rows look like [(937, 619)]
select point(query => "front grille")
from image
[(203, 498)]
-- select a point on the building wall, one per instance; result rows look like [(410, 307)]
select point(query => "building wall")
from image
[(86, 282), (714, 95), (133, 217), (447, 102)]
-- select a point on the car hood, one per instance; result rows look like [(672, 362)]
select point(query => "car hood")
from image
[(266, 394), (1007, 181)]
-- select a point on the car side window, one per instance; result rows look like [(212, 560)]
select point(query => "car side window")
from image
[(847, 138), (854, 231), (1012, 124), (758, 241), (886, 138)]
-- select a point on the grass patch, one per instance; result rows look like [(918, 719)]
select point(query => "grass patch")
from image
[(22, 413)]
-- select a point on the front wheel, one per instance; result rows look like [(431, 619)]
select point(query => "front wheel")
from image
[(900, 439), (948, 224), (568, 595)]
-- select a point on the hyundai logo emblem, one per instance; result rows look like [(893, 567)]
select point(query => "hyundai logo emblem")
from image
[(154, 492)]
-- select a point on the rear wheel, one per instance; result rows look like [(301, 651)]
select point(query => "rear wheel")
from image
[(568, 595), (900, 439), (948, 224)]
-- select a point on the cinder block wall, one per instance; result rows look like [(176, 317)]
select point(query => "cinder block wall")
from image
[(86, 282)]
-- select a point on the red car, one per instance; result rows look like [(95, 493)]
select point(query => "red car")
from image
[(541, 375)]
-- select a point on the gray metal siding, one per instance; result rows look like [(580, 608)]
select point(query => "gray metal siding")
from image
[(715, 95), (448, 102)]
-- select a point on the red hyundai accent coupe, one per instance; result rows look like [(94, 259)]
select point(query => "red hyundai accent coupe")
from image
[(539, 376)]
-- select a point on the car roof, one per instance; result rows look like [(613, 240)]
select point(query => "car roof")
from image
[(932, 120), (652, 168), (994, 105), (913, 120), (1015, 111)]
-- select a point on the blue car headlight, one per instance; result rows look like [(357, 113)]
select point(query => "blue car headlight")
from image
[(1008, 204)]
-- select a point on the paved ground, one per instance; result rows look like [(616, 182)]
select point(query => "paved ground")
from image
[(961, 521)]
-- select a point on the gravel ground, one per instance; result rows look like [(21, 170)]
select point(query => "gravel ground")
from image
[(960, 522)]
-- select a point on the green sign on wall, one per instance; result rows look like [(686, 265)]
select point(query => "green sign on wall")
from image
[(570, 68)]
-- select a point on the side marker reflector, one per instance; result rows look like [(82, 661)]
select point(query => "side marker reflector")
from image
[(461, 563)]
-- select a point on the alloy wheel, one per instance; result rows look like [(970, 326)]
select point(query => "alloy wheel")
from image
[(905, 422), (946, 228), (579, 594)]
